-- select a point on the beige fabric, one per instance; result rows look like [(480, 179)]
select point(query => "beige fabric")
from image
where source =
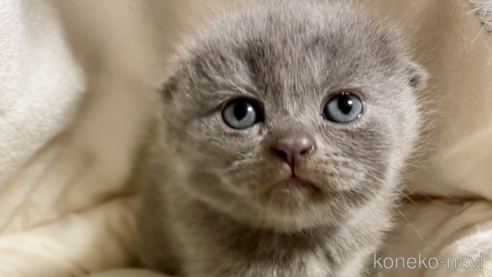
[(76, 101)]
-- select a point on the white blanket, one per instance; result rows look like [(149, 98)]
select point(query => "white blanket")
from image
[(76, 100)]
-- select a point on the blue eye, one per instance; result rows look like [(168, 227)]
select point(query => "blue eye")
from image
[(343, 108), (241, 114)]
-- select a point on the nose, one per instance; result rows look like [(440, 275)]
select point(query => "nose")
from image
[(294, 148)]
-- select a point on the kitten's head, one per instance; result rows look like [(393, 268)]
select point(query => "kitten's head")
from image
[(289, 115)]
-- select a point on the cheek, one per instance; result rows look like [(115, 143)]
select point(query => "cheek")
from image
[(239, 158), (251, 176), (400, 114), (350, 159)]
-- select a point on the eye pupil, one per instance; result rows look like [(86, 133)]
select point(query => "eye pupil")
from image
[(241, 109), (345, 103)]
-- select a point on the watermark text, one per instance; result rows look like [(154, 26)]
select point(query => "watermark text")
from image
[(428, 262)]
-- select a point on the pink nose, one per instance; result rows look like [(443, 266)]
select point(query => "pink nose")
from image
[(294, 148)]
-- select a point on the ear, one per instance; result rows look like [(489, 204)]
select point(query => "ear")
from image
[(168, 89), (417, 76)]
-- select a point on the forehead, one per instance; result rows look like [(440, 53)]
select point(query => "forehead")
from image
[(284, 48)]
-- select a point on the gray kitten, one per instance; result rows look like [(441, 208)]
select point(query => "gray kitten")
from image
[(284, 130)]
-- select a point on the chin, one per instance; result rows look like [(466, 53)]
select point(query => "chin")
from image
[(288, 222), (290, 213)]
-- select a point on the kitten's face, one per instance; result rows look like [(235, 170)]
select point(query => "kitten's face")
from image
[(293, 117)]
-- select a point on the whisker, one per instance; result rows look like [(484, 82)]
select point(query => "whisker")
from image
[(415, 229), (407, 197)]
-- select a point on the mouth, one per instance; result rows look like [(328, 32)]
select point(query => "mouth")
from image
[(292, 195), (295, 184)]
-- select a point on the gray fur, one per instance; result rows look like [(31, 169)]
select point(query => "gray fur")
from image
[(207, 210)]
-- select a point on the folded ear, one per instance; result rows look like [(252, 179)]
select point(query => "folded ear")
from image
[(168, 89), (417, 76)]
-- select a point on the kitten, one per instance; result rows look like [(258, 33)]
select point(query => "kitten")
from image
[(284, 129), (484, 10)]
